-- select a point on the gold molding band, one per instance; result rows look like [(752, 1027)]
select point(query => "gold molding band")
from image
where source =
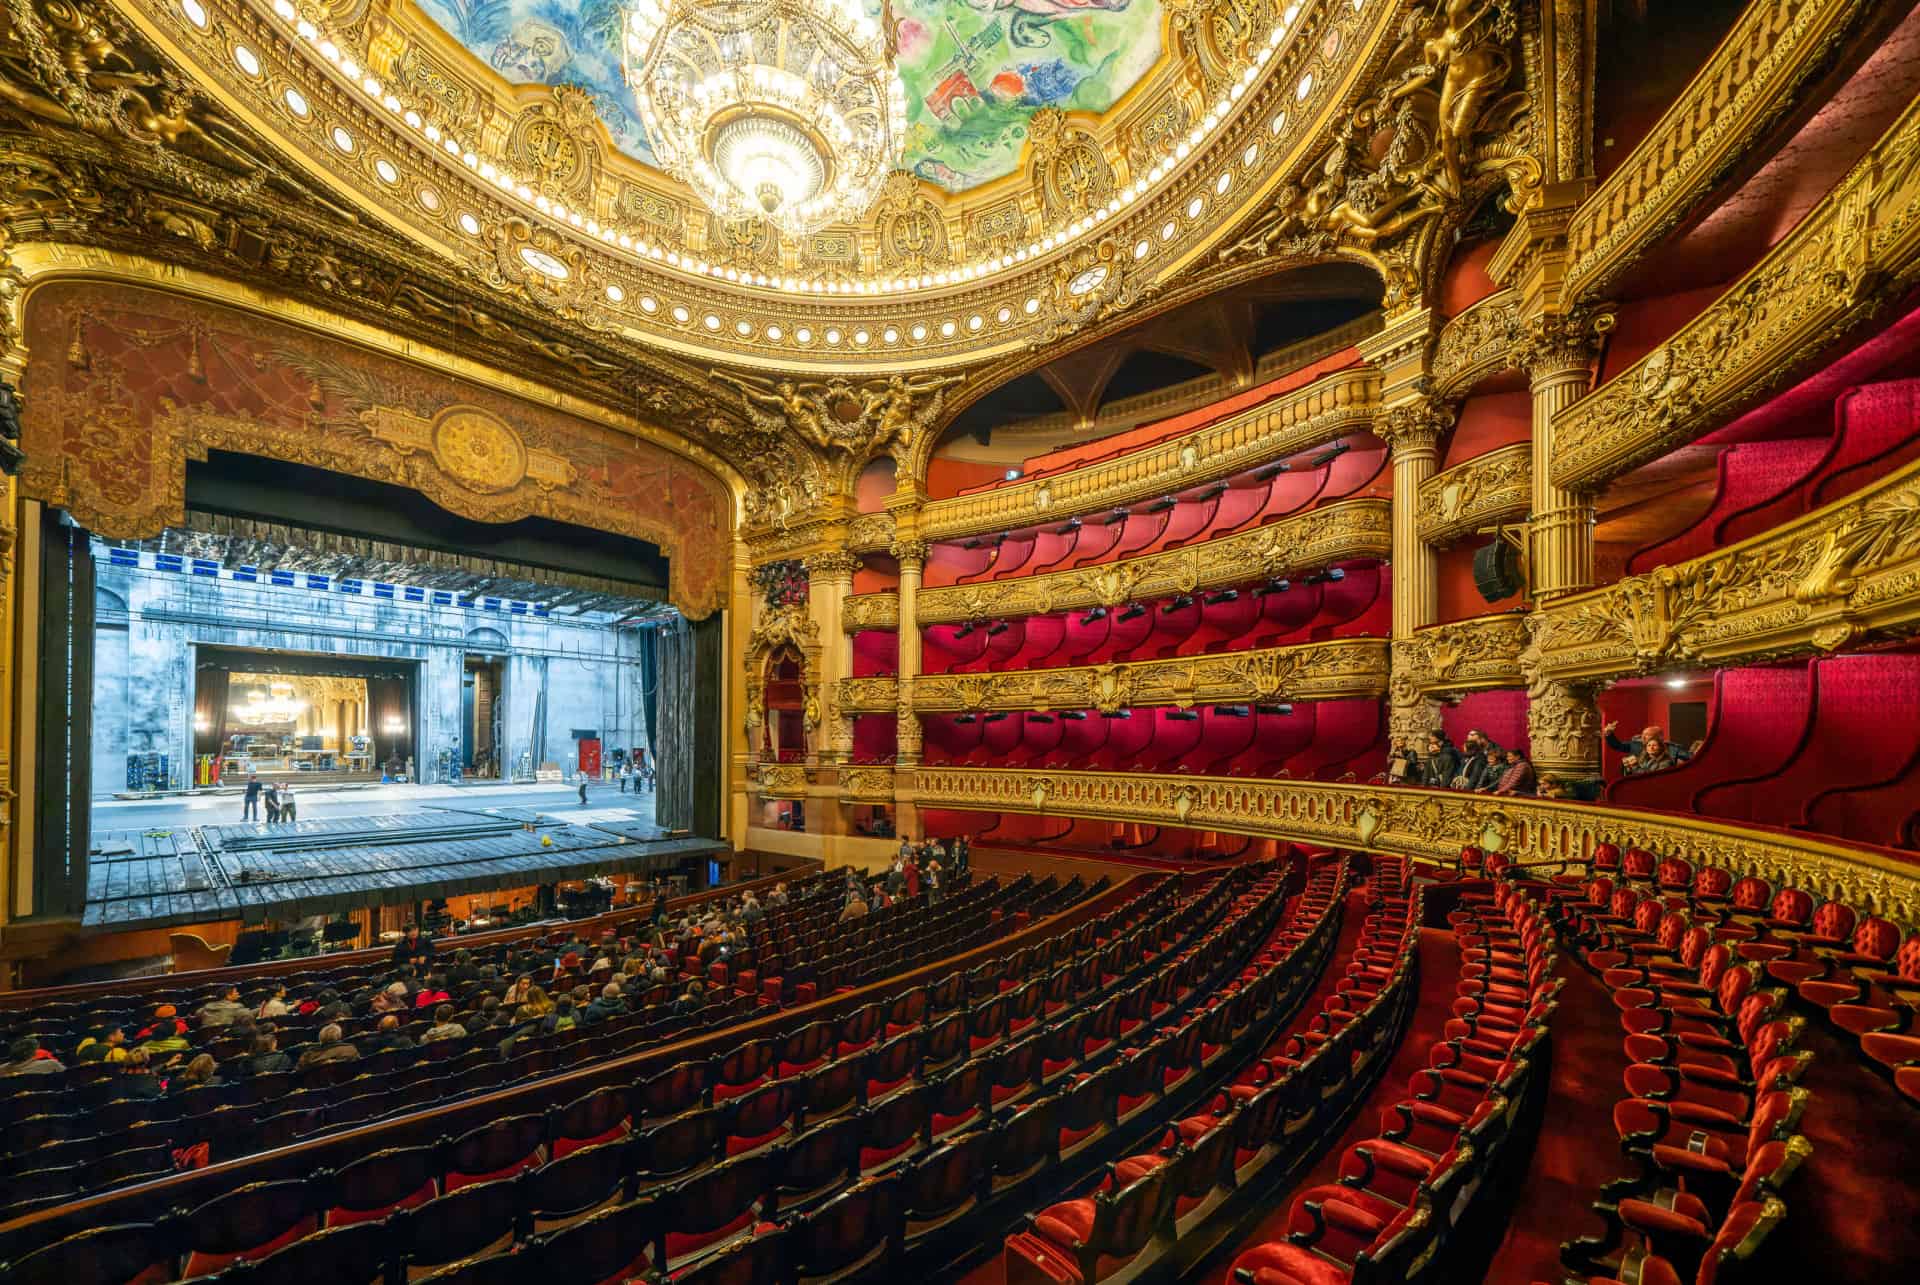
[(1330, 407), (1772, 57), (1346, 668), (1477, 342), (1429, 824), (1841, 576), (866, 784), (1853, 253), (1467, 655), (1495, 487), (868, 695), (870, 611), (1350, 529)]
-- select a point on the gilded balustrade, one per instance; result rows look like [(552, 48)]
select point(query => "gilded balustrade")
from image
[(1329, 408), (870, 784), (1855, 252), (1429, 824), (867, 695), (780, 781), (1843, 576), (1775, 54), (1346, 668), (1490, 488), (1464, 656), (1476, 343), (870, 611), (1350, 529)]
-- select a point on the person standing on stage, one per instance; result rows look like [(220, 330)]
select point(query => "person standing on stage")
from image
[(250, 808), (620, 774), (273, 805), (288, 810), (583, 788)]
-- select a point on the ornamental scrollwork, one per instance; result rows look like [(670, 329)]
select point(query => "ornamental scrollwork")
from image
[(1495, 487), (866, 784), (1350, 529), (1854, 252), (870, 611), (1413, 427), (1474, 344), (1466, 655), (1429, 825), (855, 417), (867, 695), (781, 781)]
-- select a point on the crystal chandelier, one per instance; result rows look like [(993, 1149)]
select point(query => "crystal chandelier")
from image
[(788, 110)]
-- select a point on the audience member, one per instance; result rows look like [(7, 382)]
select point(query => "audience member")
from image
[(267, 1058), (434, 993), (444, 1027), (388, 1036), (413, 949), (200, 1073), (1483, 765), (1442, 762), (856, 907), (1518, 777), (332, 1047), (26, 1057), (275, 1004), (222, 1011), (1646, 753), (392, 999)]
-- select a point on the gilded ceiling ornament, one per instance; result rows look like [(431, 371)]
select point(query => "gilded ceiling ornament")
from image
[(1219, 37), (910, 232), (743, 243), (1089, 285), (1068, 168), (859, 418), (835, 565), (907, 548), (555, 140), (1112, 688), (1157, 131)]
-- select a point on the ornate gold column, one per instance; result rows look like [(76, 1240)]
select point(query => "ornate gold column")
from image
[(829, 580), (911, 551), (1557, 352), (1412, 431), (1563, 725)]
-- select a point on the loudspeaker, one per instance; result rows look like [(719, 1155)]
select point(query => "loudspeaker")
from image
[(1496, 570)]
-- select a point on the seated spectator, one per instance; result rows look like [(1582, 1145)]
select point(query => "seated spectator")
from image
[(199, 1073), (562, 1018), (388, 1036), (222, 1012), (1483, 765), (90, 1049), (463, 972), (856, 908), (167, 1036), (536, 1007), (610, 1003), (517, 993), (1518, 777), (275, 1004), (267, 1059), (778, 897), (332, 1047), (433, 994), (393, 999), (444, 1027), (137, 1079), (26, 1057), (1646, 753), (691, 1000), (329, 1007)]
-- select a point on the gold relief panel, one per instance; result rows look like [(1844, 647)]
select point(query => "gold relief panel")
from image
[(743, 243), (556, 140), (1430, 825), (1764, 68), (867, 695), (1474, 344), (866, 784), (1491, 488), (870, 611), (1331, 407), (998, 229), (911, 234), (870, 533), (781, 781), (1068, 167), (835, 250), (1349, 529), (661, 216), (1345, 669), (1467, 655), (1845, 575), (1857, 249), (1156, 130), (449, 99)]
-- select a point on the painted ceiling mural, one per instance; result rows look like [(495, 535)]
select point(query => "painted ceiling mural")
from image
[(974, 70)]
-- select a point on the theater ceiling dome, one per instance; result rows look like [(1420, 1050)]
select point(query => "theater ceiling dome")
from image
[(1059, 162)]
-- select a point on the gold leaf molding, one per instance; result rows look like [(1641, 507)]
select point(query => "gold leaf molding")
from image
[(868, 695), (1495, 487), (781, 781), (1341, 669), (1474, 344), (870, 611), (1467, 655), (1349, 529), (1855, 251), (1429, 824), (866, 784), (1772, 58)]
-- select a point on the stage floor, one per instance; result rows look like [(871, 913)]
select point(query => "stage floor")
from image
[(163, 875)]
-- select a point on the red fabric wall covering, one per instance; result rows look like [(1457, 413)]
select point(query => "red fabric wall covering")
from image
[(950, 563), (876, 579), (874, 738), (1879, 432), (1487, 422), (1012, 556), (875, 652), (1761, 719), (1752, 478), (947, 476), (1465, 281), (1644, 324), (1500, 714)]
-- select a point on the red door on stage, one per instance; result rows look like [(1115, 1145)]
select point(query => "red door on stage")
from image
[(590, 756)]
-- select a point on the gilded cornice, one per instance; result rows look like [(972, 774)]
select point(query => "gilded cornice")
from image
[(1490, 488), (1347, 668), (780, 781), (870, 533), (1773, 57), (1476, 343), (1853, 253), (1430, 825), (1466, 655), (1349, 529), (1330, 407), (781, 307), (870, 611), (1845, 575), (867, 695)]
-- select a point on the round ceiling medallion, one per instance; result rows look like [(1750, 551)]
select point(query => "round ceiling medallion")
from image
[(543, 263), (1087, 281), (478, 451)]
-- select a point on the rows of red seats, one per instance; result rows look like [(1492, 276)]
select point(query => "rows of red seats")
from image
[(1711, 1097), (882, 1087), (1850, 967), (1399, 1196)]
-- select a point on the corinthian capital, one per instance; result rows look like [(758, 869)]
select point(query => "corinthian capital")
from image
[(1413, 426), (837, 565), (1558, 343), (908, 549)]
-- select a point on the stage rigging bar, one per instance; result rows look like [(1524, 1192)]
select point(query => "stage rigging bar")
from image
[(184, 875)]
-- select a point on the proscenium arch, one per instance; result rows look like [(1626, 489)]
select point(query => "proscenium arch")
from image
[(43, 264)]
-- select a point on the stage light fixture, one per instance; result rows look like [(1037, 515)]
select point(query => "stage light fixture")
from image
[(1098, 613), (1133, 612), (1180, 603), (997, 628), (1224, 596)]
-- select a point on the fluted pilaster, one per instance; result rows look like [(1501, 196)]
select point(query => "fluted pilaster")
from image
[(1557, 352), (912, 555), (1412, 430), (829, 580)]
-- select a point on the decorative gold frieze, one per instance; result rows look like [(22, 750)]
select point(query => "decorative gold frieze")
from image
[(1331, 407), (870, 611), (1762, 70), (781, 781), (1475, 344), (1349, 529), (1856, 250), (870, 532), (1495, 487), (1846, 574), (1429, 824), (1347, 668), (1467, 655), (866, 784), (867, 695)]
